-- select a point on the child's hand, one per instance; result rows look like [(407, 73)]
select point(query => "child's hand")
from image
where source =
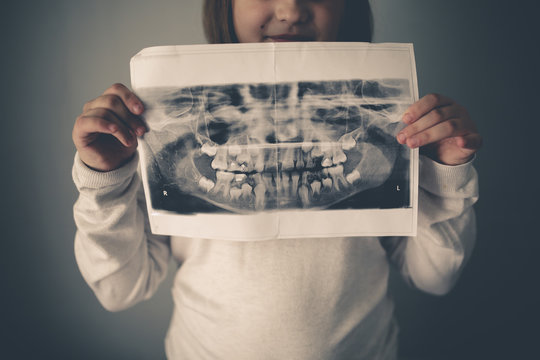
[(105, 134), (442, 128)]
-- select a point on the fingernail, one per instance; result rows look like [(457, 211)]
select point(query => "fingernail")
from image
[(401, 138), (140, 131), (407, 118), (413, 142), (137, 108)]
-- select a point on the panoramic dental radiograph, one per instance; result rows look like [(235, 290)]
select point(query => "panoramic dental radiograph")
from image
[(245, 148)]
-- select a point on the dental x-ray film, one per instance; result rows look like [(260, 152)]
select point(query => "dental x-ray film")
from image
[(263, 141)]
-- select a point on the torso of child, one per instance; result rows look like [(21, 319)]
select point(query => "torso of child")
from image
[(289, 298)]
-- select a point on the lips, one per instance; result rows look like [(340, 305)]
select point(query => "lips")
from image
[(288, 38)]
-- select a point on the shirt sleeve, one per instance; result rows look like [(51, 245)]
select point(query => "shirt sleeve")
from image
[(433, 260), (118, 256)]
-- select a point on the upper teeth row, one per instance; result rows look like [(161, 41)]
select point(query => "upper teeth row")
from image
[(236, 158)]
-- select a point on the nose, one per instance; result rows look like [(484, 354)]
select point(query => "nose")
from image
[(291, 11)]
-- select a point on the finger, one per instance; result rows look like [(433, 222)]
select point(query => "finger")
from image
[(470, 141), (444, 130), (424, 106), (131, 101), (117, 105), (429, 120), (102, 121)]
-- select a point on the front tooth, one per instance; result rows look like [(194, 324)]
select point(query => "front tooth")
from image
[(347, 142), (259, 161), (316, 152), (287, 161), (294, 181), (303, 192), (206, 184), (260, 197), (308, 160), (209, 148), (267, 178), (299, 159), (316, 187), (353, 176), (220, 161), (307, 146), (339, 156), (235, 193), (327, 183), (283, 185)]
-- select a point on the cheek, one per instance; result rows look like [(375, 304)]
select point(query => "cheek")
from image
[(328, 21), (248, 21)]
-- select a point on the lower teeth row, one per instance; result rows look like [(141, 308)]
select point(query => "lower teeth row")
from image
[(241, 187)]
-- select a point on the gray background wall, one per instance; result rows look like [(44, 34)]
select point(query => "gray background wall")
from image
[(57, 54)]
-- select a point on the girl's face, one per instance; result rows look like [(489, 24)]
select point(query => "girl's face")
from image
[(287, 20)]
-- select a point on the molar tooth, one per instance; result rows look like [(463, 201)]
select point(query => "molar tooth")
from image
[(316, 187), (326, 162), (224, 176), (206, 184), (240, 177), (339, 156), (243, 157), (326, 147), (303, 192), (336, 173), (347, 142), (220, 161), (223, 182), (209, 148), (353, 176), (327, 183), (233, 166), (246, 190), (235, 150), (235, 193)]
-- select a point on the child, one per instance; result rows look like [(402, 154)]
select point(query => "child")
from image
[(276, 299)]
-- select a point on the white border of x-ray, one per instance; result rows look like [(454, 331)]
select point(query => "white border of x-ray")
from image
[(188, 65)]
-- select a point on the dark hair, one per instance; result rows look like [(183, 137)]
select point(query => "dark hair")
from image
[(356, 25)]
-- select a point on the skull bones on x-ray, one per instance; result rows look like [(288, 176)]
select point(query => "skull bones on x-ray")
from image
[(275, 146)]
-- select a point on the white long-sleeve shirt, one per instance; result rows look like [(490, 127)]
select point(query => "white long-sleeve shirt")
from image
[(277, 299)]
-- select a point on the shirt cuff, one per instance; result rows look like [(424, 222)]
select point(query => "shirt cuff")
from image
[(85, 177), (440, 179)]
